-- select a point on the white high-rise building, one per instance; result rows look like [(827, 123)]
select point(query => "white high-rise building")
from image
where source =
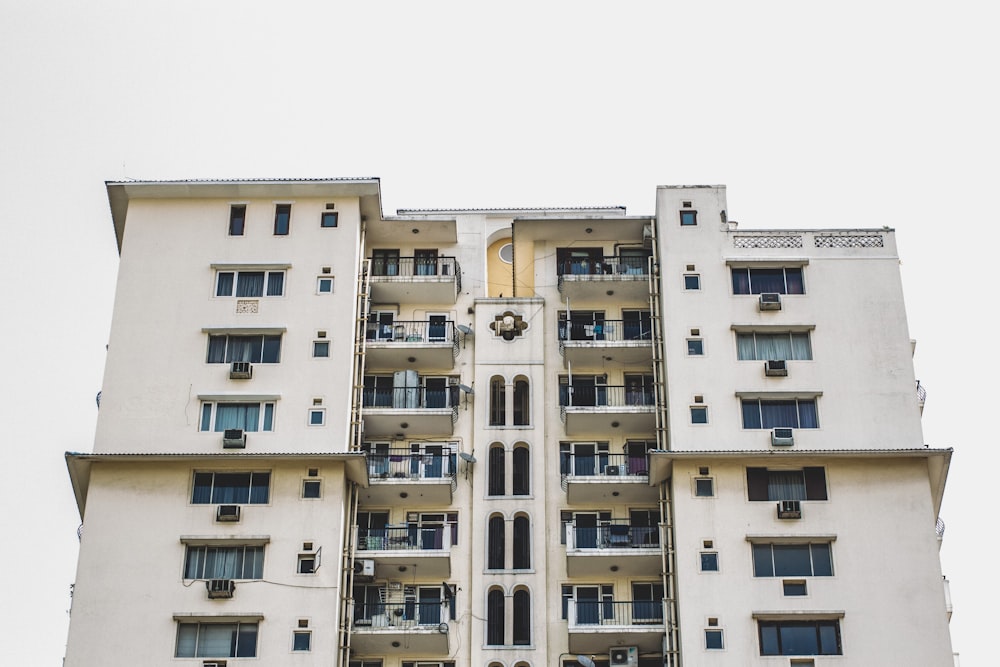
[(502, 438)]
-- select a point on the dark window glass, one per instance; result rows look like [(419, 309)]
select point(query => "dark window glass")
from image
[(275, 283), (522, 617), (521, 477), (231, 488), (704, 487), (689, 218), (799, 637), (806, 484), (522, 412), (224, 286), (713, 639), (699, 415), (709, 562), (311, 489), (494, 618), (302, 641), (496, 546), (761, 280), (792, 560), (774, 414), (692, 282), (522, 543), (328, 219), (793, 588), (696, 347), (497, 472), (282, 216), (237, 220)]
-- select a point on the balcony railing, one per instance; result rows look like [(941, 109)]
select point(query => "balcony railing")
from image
[(605, 330), (398, 267), (395, 614), (406, 464), (411, 398), (604, 266), (411, 332), (616, 534), (413, 537), (603, 465), (611, 613), (606, 396)]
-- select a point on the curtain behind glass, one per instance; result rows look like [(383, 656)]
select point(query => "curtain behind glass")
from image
[(275, 283), (216, 640), (745, 348), (237, 415), (224, 287), (785, 485), (250, 283), (778, 414), (767, 280), (187, 639), (801, 350)]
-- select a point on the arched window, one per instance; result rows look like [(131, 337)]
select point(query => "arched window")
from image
[(496, 543), (497, 471), (522, 411), (522, 543), (494, 618), (522, 616), (498, 401), (520, 474)]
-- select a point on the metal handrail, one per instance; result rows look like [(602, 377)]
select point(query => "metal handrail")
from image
[(411, 398), (399, 463), (605, 330), (606, 395), (615, 612), (405, 267), (603, 465), (606, 266)]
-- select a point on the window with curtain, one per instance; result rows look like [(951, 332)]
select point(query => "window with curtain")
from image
[(494, 617), (250, 283), (522, 412), (767, 414), (521, 472), (498, 402), (496, 543), (227, 348), (787, 280), (522, 543), (220, 488), (249, 417), (224, 562), (787, 346), (792, 560), (820, 637), (237, 219), (497, 471), (522, 617), (803, 484), (216, 640)]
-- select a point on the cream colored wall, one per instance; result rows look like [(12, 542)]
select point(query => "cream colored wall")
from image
[(156, 366), (500, 274), (130, 572)]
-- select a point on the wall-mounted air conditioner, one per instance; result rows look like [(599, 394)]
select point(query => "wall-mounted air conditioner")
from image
[(240, 370), (219, 589), (775, 368), (214, 663), (625, 656), (364, 568), (782, 437), (234, 438), (227, 513), (614, 471), (770, 301), (790, 509)]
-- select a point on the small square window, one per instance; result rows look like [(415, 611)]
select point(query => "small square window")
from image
[(311, 488), (713, 639), (704, 487), (282, 219), (709, 561), (321, 348), (699, 415), (307, 564), (689, 218), (696, 347), (328, 219), (317, 417), (303, 641), (793, 587), (237, 219), (692, 281), (324, 285)]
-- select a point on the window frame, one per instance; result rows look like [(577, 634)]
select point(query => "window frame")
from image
[(321, 349), (817, 624), (296, 634), (257, 558), (798, 283), (692, 282), (792, 348), (269, 275), (774, 417), (310, 482), (714, 557), (313, 413), (237, 228), (699, 415), (820, 555), (696, 347), (235, 650), (257, 479), (269, 343), (282, 219), (320, 280), (759, 483), (689, 217), (208, 423), (325, 216)]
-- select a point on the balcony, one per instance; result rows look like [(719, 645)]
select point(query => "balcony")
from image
[(426, 548), (589, 408), (429, 344), (416, 478), (590, 345), (591, 551), (624, 278), (595, 625), (410, 410), (425, 280), (593, 477), (395, 628)]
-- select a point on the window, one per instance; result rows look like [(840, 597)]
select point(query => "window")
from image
[(324, 285), (713, 639), (522, 410), (522, 543), (237, 219), (786, 346), (216, 640), (317, 416), (805, 484), (704, 487), (692, 281), (282, 217), (497, 471), (793, 588), (250, 417), (321, 348), (792, 560), (748, 280), (220, 488), (522, 617), (328, 219), (250, 283), (224, 562), (385, 262), (494, 617), (699, 414), (689, 218), (696, 347), (521, 477), (311, 488), (498, 401), (709, 561), (820, 637), (302, 641), (257, 349), (307, 564), (792, 413), (495, 545)]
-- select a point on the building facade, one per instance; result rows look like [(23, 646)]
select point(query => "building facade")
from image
[(501, 438)]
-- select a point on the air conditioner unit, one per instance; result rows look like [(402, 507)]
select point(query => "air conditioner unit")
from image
[(790, 509), (240, 370), (614, 471), (234, 438), (770, 301), (782, 437), (776, 368), (214, 663), (220, 588), (227, 513), (364, 568), (627, 656)]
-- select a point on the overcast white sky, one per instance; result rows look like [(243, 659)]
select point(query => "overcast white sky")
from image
[(853, 114)]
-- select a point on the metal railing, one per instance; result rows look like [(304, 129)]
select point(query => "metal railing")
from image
[(606, 395), (583, 614), (412, 398), (400, 267), (605, 330), (614, 534), (412, 537), (402, 331), (406, 464), (375, 615), (604, 266), (603, 465)]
